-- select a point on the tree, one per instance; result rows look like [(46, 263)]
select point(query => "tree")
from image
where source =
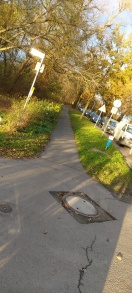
[(67, 31), (117, 74), (126, 4)]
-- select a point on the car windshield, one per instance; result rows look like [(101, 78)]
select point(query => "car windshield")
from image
[(129, 129), (113, 123)]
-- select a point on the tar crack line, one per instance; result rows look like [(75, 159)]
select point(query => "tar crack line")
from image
[(84, 268)]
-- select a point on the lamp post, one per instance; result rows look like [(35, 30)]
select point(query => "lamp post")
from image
[(41, 55)]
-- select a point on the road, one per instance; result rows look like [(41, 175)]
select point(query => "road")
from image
[(44, 248)]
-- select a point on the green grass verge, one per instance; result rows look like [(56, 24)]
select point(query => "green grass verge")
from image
[(24, 133), (106, 165)]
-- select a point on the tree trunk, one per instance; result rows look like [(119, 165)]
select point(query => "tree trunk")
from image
[(78, 98), (86, 106)]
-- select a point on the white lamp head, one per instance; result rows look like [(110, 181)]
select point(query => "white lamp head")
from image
[(37, 53)]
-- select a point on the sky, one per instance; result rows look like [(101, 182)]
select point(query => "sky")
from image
[(124, 18)]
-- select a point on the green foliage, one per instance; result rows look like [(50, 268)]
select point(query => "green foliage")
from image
[(107, 166), (81, 51), (24, 133), (117, 82)]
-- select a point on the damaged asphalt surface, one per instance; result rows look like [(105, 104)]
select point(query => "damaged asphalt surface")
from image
[(43, 249)]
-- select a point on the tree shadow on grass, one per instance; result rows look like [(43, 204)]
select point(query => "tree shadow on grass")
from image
[(122, 189)]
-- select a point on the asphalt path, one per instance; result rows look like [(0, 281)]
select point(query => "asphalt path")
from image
[(43, 248)]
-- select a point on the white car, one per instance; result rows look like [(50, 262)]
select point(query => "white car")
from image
[(123, 134)]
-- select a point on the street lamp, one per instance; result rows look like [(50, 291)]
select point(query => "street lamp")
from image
[(37, 53), (39, 68)]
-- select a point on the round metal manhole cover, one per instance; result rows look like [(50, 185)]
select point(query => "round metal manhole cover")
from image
[(5, 208), (80, 205)]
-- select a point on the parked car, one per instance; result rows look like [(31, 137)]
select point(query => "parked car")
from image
[(94, 118), (81, 108), (90, 114), (87, 113), (109, 126), (123, 134), (101, 122)]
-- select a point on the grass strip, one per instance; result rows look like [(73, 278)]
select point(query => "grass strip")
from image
[(25, 133), (108, 166)]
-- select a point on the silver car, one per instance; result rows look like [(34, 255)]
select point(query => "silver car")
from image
[(109, 126)]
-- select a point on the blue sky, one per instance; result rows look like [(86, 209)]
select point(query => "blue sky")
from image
[(124, 18)]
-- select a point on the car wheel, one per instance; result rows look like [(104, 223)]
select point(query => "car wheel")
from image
[(120, 140)]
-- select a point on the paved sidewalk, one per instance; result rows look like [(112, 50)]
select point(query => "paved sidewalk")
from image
[(46, 250)]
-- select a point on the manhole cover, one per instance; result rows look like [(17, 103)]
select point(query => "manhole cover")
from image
[(5, 208), (80, 205)]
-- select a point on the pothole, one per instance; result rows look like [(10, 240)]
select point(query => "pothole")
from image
[(81, 207)]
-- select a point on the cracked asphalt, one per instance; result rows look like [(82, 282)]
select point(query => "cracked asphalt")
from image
[(43, 249)]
